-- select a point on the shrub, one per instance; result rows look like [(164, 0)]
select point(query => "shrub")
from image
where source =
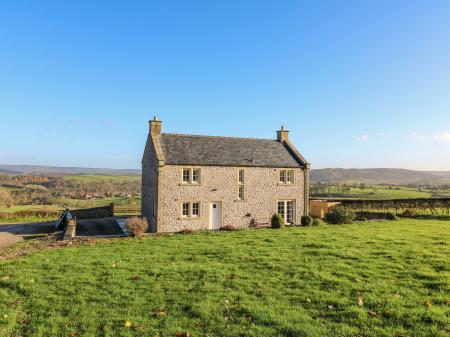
[(277, 221), (306, 220), (340, 215), (317, 222), (391, 216), (137, 226), (228, 228), (409, 213), (186, 231)]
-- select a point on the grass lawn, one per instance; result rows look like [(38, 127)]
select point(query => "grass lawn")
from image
[(368, 279)]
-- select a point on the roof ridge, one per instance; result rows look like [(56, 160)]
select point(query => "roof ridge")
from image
[(230, 137)]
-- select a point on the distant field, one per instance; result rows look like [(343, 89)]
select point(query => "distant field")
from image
[(53, 193), (377, 279), (381, 192), (102, 178)]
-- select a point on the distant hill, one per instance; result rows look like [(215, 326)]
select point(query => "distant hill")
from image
[(37, 169), (328, 175), (379, 176)]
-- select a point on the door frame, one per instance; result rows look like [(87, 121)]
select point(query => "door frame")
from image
[(211, 214), (285, 209)]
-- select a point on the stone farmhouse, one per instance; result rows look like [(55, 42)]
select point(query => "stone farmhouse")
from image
[(206, 182)]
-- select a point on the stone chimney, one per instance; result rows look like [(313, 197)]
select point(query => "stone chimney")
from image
[(282, 134), (155, 126)]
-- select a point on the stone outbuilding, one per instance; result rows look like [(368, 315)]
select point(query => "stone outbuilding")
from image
[(207, 182)]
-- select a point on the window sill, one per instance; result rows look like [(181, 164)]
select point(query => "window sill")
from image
[(189, 218), (285, 184), (186, 184), (240, 200)]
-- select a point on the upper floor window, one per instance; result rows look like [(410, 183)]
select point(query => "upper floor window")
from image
[(241, 179), (190, 176), (241, 176), (196, 176), (186, 176), (286, 176)]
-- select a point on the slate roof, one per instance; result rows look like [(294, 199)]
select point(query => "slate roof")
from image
[(225, 151)]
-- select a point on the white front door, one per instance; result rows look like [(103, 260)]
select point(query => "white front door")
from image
[(215, 215)]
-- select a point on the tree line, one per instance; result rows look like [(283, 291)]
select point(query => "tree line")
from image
[(47, 190)]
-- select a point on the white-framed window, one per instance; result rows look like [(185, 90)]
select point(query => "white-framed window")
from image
[(186, 179), (241, 177), (289, 176), (286, 208), (241, 189), (185, 210), (190, 209), (241, 192), (195, 176), (195, 209), (190, 176), (286, 176)]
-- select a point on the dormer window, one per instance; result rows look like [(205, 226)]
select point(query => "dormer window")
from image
[(190, 176)]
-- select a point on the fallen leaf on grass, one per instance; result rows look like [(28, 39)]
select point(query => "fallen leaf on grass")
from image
[(127, 324), (308, 300), (139, 327), (135, 278), (73, 334), (182, 334), (428, 304), (372, 313), (360, 301), (161, 314), (232, 276)]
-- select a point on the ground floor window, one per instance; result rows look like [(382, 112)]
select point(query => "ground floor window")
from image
[(195, 209), (190, 209), (185, 210), (286, 208)]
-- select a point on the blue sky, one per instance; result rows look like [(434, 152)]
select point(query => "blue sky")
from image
[(358, 83)]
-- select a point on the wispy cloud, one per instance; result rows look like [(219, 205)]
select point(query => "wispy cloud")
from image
[(416, 136), (362, 138), (383, 135), (442, 136), (439, 136)]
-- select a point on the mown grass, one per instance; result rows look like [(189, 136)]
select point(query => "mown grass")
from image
[(287, 282)]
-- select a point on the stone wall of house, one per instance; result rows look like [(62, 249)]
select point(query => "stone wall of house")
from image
[(149, 191), (219, 183)]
